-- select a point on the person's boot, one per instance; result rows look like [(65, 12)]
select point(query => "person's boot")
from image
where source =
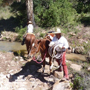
[(23, 41), (65, 72)]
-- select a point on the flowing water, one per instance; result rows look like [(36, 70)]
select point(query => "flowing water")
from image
[(16, 46), (11, 46)]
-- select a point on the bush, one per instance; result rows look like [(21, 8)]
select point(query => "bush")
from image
[(77, 83), (51, 13), (21, 32)]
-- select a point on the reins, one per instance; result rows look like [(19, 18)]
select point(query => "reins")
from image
[(42, 59)]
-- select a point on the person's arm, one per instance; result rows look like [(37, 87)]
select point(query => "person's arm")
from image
[(66, 45), (63, 43)]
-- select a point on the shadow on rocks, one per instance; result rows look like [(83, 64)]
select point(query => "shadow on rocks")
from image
[(30, 68)]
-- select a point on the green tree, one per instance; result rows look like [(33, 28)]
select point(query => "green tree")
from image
[(1, 1), (53, 12)]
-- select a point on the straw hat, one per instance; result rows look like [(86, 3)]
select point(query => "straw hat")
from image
[(57, 31), (30, 22)]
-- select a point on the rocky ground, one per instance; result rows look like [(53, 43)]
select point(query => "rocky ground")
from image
[(19, 74)]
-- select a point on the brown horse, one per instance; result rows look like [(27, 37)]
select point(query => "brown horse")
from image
[(41, 46), (29, 41)]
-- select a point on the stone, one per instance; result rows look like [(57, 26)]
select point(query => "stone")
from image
[(70, 75), (58, 74), (22, 89), (65, 85), (79, 50), (88, 69), (72, 34), (76, 67)]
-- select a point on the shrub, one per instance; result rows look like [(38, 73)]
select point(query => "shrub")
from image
[(77, 83), (21, 32), (51, 13)]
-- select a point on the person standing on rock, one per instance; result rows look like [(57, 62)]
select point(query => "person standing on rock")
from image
[(29, 30), (62, 43)]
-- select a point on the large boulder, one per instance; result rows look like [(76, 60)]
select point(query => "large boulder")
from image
[(79, 50)]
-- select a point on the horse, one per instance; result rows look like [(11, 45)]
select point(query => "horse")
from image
[(49, 35), (41, 46), (30, 37)]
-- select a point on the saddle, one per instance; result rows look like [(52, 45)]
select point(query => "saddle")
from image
[(31, 33)]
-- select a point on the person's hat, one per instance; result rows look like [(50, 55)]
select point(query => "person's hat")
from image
[(29, 22), (57, 31)]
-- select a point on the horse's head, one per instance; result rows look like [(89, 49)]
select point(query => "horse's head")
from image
[(35, 48), (49, 36), (41, 46)]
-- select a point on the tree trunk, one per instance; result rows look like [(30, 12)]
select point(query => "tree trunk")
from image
[(29, 7)]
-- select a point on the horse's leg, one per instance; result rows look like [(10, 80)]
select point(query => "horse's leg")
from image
[(27, 49), (50, 63), (43, 65), (59, 61)]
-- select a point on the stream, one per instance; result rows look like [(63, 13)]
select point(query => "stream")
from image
[(11, 46), (16, 46)]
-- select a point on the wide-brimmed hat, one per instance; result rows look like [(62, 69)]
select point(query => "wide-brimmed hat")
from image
[(57, 31), (29, 21)]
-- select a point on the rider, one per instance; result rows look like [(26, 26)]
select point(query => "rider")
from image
[(61, 41), (29, 30)]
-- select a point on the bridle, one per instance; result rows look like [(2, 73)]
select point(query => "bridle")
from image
[(36, 60)]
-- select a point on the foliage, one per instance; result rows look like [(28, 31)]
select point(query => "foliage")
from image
[(86, 46), (42, 35), (1, 2), (76, 83), (51, 13), (19, 9), (5, 13), (83, 6), (21, 32)]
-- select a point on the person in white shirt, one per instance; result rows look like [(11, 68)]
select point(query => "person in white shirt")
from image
[(29, 30), (62, 42), (30, 27)]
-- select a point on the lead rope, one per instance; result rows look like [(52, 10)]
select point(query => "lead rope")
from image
[(42, 59), (60, 56)]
